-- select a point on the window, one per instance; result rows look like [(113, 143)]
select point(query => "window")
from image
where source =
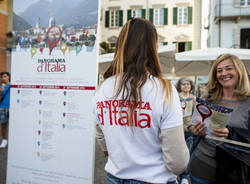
[(182, 16), (244, 2), (184, 46), (158, 16), (114, 18), (245, 38), (137, 13), (112, 45)]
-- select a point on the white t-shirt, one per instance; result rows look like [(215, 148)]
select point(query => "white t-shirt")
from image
[(135, 152)]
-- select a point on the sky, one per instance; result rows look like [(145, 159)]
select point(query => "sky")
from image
[(20, 5)]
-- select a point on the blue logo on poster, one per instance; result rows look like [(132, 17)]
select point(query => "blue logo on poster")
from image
[(30, 40), (21, 40)]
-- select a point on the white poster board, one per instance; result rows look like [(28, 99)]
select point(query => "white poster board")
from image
[(51, 128)]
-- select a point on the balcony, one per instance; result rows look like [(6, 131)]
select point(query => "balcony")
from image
[(231, 11)]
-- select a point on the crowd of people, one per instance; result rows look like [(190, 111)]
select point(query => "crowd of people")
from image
[(144, 123), (160, 144)]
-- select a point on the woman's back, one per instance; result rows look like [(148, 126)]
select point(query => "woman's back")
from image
[(135, 151), (140, 117)]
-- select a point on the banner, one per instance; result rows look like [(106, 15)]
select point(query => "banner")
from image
[(53, 78)]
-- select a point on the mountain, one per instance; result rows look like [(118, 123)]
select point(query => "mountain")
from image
[(76, 13), (19, 24), (69, 3), (83, 14), (43, 9)]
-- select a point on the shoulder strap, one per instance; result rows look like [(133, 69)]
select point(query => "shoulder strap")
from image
[(5, 94)]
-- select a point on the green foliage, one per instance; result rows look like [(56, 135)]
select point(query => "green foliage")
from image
[(92, 37), (106, 47)]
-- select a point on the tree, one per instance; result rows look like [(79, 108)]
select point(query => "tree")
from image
[(106, 47)]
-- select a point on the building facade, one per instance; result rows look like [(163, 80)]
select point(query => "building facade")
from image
[(5, 27), (176, 21), (3, 31), (229, 24)]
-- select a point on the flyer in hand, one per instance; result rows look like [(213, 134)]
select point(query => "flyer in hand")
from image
[(212, 115), (186, 105)]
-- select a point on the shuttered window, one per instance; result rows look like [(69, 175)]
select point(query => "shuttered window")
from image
[(106, 18), (184, 46), (120, 18), (151, 15), (165, 16), (158, 16), (175, 16), (129, 14), (182, 15), (189, 45), (143, 13), (113, 18), (190, 15), (136, 13)]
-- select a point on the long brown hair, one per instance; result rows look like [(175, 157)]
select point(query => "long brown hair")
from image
[(215, 89), (135, 60)]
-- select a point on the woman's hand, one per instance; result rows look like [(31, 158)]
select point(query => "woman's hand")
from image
[(199, 128), (221, 132), (1, 89), (194, 99)]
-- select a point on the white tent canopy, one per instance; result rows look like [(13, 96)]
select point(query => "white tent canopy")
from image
[(199, 62), (166, 55)]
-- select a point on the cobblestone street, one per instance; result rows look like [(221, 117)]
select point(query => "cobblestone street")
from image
[(3, 163)]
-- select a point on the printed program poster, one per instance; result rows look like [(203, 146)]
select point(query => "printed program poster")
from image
[(54, 73)]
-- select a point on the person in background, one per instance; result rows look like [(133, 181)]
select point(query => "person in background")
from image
[(0, 98), (4, 107), (185, 88), (139, 112), (228, 86)]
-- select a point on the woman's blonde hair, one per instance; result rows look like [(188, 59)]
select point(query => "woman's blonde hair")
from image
[(136, 59), (215, 89)]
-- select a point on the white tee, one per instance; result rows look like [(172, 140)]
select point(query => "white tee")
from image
[(135, 152)]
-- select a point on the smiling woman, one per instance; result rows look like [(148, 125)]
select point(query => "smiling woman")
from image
[(228, 86), (227, 74), (228, 77)]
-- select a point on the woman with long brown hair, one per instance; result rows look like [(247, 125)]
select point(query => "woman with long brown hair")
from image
[(139, 112)]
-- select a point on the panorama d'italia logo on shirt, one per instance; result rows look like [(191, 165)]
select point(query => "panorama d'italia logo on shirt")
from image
[(115, 113)]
